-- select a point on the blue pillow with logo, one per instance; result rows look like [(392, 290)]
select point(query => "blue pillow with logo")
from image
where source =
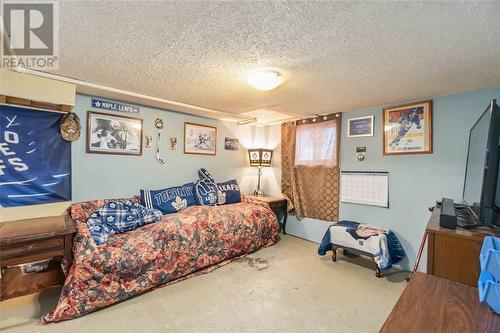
[(206, 192), (229, 192), (171, 199)]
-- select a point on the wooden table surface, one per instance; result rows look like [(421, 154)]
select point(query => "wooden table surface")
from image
[(433, 304), (18, 231), (266, 198)]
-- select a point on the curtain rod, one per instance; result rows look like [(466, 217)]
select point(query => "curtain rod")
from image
[(318, 118)]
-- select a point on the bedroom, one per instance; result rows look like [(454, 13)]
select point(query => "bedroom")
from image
[(153, 111)]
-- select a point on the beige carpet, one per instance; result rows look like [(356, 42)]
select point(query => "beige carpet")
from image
[(284, 288)]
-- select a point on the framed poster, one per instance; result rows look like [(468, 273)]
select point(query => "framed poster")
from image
[(360, 127), (408, 129), (112, 134), (200, 139)]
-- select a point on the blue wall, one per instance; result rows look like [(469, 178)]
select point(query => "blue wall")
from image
[(415, 181), (98, 176)]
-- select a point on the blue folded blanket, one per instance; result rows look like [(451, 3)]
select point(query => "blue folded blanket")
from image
[(348, 234), (119, 216)]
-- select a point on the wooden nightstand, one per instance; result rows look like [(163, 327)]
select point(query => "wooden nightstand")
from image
[(34, 240), (277, 204)]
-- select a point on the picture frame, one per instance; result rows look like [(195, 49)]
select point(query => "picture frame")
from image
[(360, 127), (407, 129), (200, 139), (231, 144), (114, 134)]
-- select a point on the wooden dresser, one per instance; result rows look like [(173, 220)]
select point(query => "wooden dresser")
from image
[(34, 240), (453, 254)]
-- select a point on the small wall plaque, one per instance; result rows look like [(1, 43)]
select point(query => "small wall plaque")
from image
[(360, 127), (173, 143)]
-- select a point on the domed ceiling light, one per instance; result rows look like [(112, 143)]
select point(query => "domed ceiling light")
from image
[(265, 79)]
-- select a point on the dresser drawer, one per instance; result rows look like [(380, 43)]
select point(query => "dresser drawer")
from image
[(31, 247), (14, 283)]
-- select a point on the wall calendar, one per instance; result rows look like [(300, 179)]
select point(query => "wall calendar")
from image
[(365, 188)]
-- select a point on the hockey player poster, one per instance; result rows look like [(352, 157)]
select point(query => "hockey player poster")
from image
[(408, 129), (35, 161)]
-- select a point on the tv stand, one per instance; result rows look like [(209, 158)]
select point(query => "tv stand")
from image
[(454, 253)]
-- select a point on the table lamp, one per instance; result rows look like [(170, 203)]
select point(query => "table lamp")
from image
[(260, 157)]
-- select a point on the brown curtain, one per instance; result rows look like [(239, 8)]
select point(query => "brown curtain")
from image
[(312, 191)]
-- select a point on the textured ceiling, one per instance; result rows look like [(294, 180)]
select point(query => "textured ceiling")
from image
[(334, 56)]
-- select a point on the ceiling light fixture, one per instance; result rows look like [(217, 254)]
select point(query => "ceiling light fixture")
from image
[(265, 79)]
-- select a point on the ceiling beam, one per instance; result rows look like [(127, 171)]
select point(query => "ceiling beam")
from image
[(95, 89)]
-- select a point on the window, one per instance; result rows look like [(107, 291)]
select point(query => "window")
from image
[(316, 144)]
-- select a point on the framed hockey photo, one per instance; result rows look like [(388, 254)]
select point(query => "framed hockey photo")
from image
[(408, 129), (200, 139), (231, 144), (360, 127), (112, 134)]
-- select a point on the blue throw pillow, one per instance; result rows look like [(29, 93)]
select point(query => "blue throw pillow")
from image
[(206, 192), (169, 200), (229, 192), (117, 217)]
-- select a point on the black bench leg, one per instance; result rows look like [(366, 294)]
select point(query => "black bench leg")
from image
[(378, 273), (334, 254), (285, 217)]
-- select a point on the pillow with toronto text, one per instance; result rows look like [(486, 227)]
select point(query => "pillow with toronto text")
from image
[(171, 199)]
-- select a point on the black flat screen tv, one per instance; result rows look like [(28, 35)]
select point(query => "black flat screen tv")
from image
[(481, 193)]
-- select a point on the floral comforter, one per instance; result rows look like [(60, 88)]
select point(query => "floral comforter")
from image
[(194, 241)]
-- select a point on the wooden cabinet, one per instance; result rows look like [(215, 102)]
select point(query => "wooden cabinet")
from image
[(47, 239), (453, 254)]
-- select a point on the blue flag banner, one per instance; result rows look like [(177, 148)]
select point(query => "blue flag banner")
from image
[(35, 161), (113, 106)]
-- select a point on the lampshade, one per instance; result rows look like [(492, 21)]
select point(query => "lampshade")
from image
[(260, 157)]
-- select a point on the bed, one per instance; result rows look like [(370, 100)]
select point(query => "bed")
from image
[(194, 241)]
